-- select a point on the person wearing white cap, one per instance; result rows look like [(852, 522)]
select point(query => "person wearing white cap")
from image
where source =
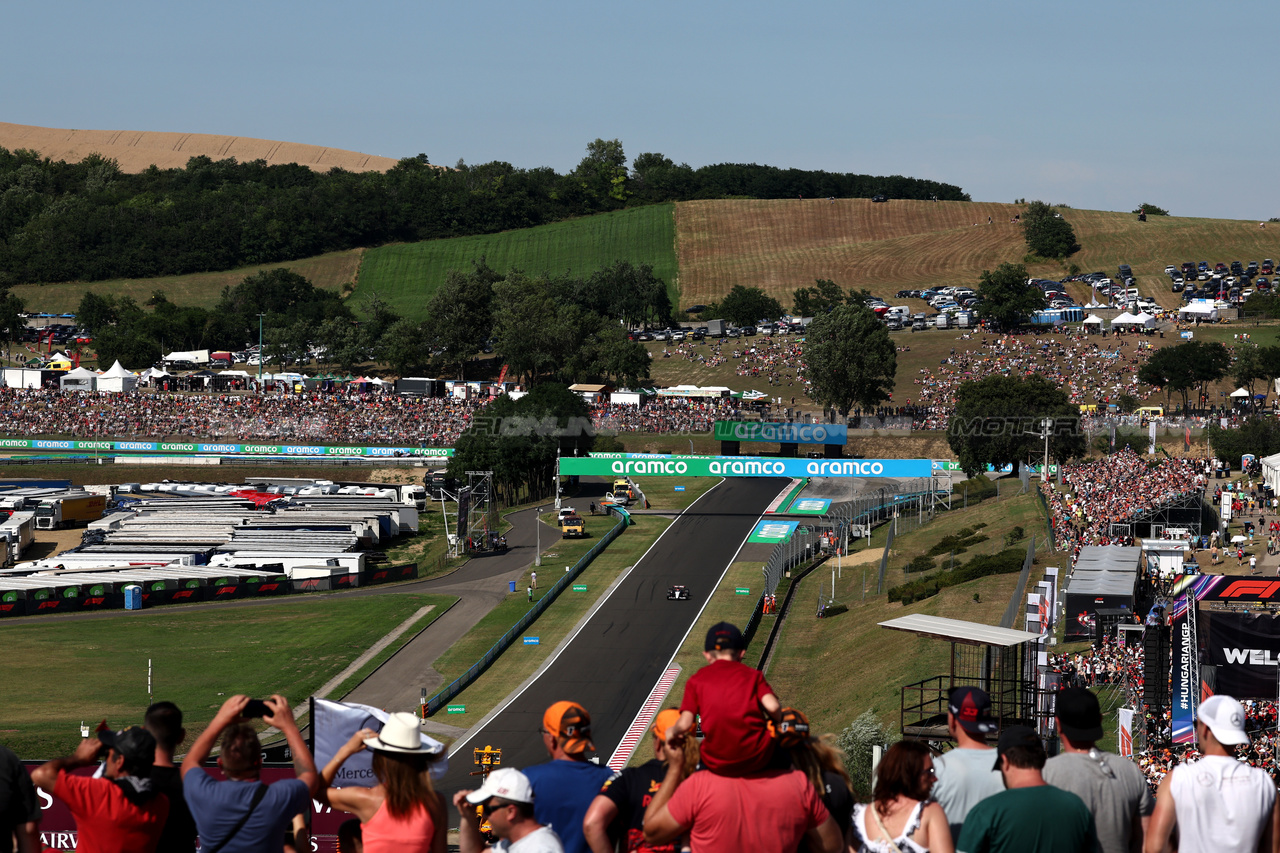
[(506, 798), (1218, 803), (402, 813)]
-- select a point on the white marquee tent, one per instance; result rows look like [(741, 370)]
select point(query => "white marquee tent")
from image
[(80, 379), (118, 380)]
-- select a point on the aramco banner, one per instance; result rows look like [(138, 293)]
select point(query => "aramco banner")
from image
[(781, 433), (648, 465), (1245, 647)]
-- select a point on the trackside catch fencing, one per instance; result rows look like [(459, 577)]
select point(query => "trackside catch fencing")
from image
[(435, 703)]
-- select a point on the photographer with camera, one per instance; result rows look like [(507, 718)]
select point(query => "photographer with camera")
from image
[(120, 811), (242, 814)]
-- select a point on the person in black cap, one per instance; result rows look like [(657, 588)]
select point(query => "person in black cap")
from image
[(19, 806), (735, 703), (119, 812), (964, 774), (1113, 788), (1030, 814)]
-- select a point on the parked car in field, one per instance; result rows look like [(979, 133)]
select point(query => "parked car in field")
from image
[(879, 198)]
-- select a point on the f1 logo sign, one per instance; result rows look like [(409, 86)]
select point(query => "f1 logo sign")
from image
[(1254, 589)]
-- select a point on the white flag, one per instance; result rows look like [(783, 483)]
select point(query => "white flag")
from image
[(335, 722)]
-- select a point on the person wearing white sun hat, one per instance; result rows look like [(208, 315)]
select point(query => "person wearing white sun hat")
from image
[(1219, 803), (402, 813)]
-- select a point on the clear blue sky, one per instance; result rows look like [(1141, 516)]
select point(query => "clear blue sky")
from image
[(1095, 104)]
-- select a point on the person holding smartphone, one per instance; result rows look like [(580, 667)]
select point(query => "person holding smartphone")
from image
[(242, 814)]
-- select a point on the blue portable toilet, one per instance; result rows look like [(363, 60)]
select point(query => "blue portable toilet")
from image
[(133, 597)]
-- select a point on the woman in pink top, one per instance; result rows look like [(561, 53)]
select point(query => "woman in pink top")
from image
[(402, 813)]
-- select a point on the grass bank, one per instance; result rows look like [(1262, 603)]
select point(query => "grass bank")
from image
[(836, 668), (406, 274), (61, 673)]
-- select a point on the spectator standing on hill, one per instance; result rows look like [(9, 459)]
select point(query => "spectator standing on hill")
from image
[(1219, 804), (1112, 787), (507, 800), (1030, 815), (735, 703), (242, 814), (626, 795), (964, 775), (402, 813), (901, 816), (164, 721), (564, 787), (19, 806), (771, 811), (120, 812)]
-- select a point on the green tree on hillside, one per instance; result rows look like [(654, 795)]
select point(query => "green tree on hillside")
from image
[(1007, 298), (745, 306), (1189, 366), (460, 317), (996, 419), (819, 298), (602, 174), (1047, 233), (1257, 435), (849, 359), (1151, 210)]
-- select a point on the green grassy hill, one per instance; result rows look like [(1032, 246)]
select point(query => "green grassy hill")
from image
[(406, 274)]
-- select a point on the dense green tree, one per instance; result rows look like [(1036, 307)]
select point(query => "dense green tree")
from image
[(627, 292), (460, 316), (849, 359), (819, 298), (519, 440), (1047, 233), (1151, 210), (403, 347), (1189, 366), (1007, 297), (1258, 435), (746, 306), (997, 419), (602, 174)]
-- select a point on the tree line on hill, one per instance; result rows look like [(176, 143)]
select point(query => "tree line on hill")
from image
[(90, 221), (561, 328)]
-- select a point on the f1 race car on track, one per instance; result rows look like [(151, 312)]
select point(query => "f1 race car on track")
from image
[(678, 593)]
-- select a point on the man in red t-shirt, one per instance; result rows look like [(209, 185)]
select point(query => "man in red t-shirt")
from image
[(118, 813), (735, 704), (766, 812)]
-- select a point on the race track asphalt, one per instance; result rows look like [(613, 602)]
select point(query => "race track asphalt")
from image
[(614, 662)]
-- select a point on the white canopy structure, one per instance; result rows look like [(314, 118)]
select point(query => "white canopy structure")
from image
[(80, 379), (1271, 471), (1199, 311), (1124, 319), (197, 356), (1145, 319), (118, 380), (1238, 393), (1093, 320)]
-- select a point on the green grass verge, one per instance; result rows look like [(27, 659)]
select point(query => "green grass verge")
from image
[(349, 683), (520, 661), (836, 668), (91, 670), (203, 289), (406, 274)]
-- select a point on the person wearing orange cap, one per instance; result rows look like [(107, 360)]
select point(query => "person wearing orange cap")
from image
[(622, 801), (564, 787)]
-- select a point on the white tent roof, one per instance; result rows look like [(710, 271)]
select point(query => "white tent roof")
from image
[(117, 371), (244, 373), (1239, 392), (1093, 320), (80, 373), (1144, 318), (1126, 317), (1197, 308)]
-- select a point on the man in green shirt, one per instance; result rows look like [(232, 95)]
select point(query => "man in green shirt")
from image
[(1029, 814)]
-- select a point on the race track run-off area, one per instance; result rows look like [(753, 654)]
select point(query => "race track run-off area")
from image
[(613, 663)]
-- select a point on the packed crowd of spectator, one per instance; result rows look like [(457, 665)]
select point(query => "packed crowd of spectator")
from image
[(1115, 489), (1090, 371), (314, 417), (668, 414)]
